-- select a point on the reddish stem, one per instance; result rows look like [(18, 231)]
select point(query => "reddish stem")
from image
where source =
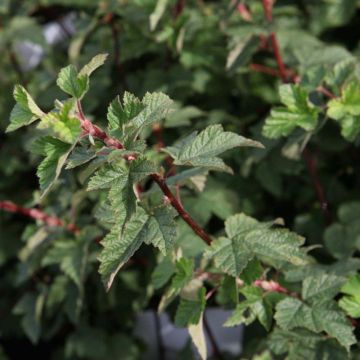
[(268, 6), (312, 169), (157, 131), (90, 129), (181, 211), (270, 286), (179, 8), (244, 12), (265, 70), (278, 57), (326, 92), (37, 214)]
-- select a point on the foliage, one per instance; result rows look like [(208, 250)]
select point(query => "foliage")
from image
[(175, 156)]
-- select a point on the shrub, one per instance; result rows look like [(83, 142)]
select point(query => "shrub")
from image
[(211, 161)]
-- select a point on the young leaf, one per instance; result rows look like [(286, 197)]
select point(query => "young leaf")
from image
[(322, 287), (292, 313), (122, 242), (25, 111), (162, 229), (31, 307), (56, 153), (73, 83), (93, 64), (120, 245), (346, 110), (201, 150), (191, 307), (351, 302), (297, 112), (120, 114), (62, 124), (256, 306), (248, 238)]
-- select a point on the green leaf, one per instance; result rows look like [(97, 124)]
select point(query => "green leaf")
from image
[(123, 240), (256, 306), (120, 114), (183, 274), (73, 83), (346, 110), (25, 111), (292, 313), (157, 13), (31, 307), (62, 124), (351, 302), (162, 273), (248, 238), (351, 305), (298, 112), (162, 229), (93, 64), (121, 180), (56, 153), (120, 245), (321, 287), (156, 107), (201, 150), (191, 307), (70, 255), (80, 156)]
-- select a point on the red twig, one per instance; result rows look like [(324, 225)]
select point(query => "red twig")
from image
[(181, 211), (265, 70), (326, 92), (37, 214), (157, 131), (278, 57), (312, 169), (268, 5), (270, 286), (178, 8), (244, 12), (90, 129)]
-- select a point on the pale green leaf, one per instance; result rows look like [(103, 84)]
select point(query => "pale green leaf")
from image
[(298, 112), (157, 13), (346, 110), (25, 111), (120, 114), (191, 308), (50, 168), (93, 64), (62, 124), (73, 83), (201, 150), (321, 287)]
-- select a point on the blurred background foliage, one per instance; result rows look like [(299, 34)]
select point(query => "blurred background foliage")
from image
[(200, 53)]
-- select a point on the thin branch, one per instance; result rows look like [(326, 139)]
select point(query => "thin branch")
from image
[(160, 344), (37, 214), (215, 347), (268, 5), (159, 179), (265, 70), (278, 57), (312, 169)]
